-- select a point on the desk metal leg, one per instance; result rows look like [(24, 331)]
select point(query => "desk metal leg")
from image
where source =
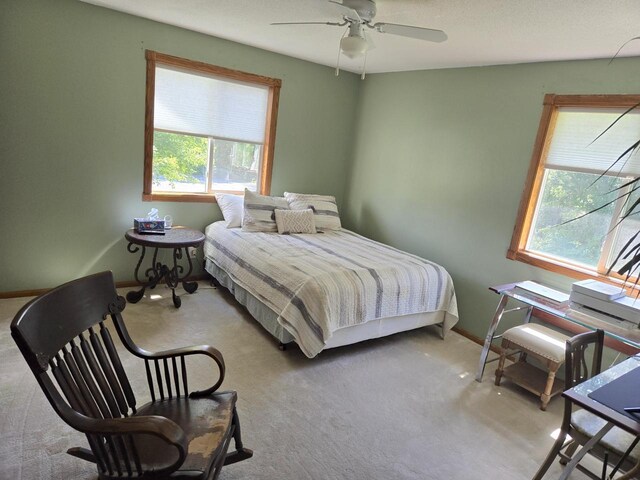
[(527, 317), (489, 338), (579, 455)]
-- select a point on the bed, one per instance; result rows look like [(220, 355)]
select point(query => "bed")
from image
[(328, 289)]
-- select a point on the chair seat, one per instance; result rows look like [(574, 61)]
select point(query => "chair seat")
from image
[(205, 422), (538, 339), (616, 440)]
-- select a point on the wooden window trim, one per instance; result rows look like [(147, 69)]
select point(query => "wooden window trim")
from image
[(155, 58), (533, 183)]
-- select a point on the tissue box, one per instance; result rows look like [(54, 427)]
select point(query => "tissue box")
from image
[(143, 225)]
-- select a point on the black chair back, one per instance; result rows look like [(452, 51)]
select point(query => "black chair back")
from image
[(577, 368)]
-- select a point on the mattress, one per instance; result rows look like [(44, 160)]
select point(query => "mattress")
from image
[(321, 285)]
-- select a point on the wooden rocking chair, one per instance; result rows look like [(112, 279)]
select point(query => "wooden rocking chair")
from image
[(63, 336)]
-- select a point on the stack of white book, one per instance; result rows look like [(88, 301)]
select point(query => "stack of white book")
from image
[(605, 298)]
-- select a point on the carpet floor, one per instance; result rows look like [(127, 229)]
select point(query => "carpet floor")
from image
[(400, 407)]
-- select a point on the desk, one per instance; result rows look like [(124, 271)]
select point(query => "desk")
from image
[(177, 239), (579, 395), (625, 332)]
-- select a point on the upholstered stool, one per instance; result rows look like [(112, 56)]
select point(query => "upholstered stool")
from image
[(541, 343)]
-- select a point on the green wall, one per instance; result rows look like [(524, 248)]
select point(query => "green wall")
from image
[(72, 81), (440, 159), (432, 162)]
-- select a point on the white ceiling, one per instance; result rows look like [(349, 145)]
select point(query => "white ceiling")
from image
[(481, 32)]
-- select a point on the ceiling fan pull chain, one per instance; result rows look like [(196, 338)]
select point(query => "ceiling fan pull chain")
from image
[(364, 67), (340, 51)]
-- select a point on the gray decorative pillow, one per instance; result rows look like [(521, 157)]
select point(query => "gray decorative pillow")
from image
[(324, 208), (259, 213), (295, 221)]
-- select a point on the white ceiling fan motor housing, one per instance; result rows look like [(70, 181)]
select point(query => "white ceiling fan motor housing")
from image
[(366, 9)]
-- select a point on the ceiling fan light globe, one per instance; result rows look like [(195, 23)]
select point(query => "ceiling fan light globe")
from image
[(354, 47)]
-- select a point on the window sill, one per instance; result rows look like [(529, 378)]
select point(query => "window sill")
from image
[(183, 197), (573, 271)]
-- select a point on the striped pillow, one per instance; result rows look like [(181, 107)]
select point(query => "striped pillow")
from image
[(259, 213), (324, 208)]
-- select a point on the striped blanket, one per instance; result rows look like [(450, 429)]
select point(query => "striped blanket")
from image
[(319, 283)]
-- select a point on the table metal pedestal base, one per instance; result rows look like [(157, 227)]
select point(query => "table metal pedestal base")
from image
[(158, 272)]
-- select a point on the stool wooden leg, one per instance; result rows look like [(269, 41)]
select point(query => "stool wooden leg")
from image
[(499, 370), (546, 395)]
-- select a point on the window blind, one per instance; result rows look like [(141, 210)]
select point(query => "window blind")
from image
[(576, 128), (202, 105)]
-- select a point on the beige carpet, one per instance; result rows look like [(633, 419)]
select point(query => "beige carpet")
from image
[(402, 407)]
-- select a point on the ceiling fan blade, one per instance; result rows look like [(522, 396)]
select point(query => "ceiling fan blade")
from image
[(412, 32), (310, 23), (353, 11), (339, 3)]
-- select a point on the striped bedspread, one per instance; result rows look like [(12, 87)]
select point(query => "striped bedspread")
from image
[(319, 283)]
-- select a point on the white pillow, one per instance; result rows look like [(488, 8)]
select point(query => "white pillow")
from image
[(232, 208), (259, 213), (295, 221), (324, 209)]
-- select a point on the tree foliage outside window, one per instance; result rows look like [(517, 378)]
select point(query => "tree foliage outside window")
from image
[(181, 162), (567, 196), (179, 158)]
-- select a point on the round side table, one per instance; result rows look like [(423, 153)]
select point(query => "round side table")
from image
[(177, 239)]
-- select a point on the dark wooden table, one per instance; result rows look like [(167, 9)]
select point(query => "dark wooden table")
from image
[(579, 395), (178, 239)]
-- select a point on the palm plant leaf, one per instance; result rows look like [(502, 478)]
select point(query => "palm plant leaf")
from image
[(623, 252), (625, 185), (630, 210), (629, 151), (605, 205), (615, 121), (623, 45)]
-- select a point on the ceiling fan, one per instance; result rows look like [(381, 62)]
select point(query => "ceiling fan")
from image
[(354, 42)]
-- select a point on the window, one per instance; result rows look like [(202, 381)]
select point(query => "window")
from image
[(207, 129), (565, 182)]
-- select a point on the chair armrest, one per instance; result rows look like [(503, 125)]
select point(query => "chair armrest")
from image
[(165, 429), (161, 427), (207, 350), (194, 350)]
